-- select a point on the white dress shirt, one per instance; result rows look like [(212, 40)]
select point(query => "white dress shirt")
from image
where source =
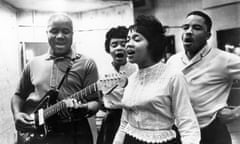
[(209, 75)]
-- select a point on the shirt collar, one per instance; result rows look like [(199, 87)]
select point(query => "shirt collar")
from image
[(202, 53), (70, 55)]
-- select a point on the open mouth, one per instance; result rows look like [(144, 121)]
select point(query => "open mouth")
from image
[(188, 40), (119, 55), (130, 52), (59, 46)]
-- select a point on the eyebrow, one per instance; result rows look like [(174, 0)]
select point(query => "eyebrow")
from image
[(191, 25)]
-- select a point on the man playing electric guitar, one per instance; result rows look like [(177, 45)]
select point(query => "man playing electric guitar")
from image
[(44, 73), (44, 114)]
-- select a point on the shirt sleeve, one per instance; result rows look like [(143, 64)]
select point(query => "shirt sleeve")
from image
[(91, 72), (91, 76), (233, 66), (185, 117), (25, 86), (114, 97)]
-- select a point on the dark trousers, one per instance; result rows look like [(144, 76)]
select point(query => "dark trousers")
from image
[(215, 133), (131, 140), (78, 132), (109, 126), (69, 139)]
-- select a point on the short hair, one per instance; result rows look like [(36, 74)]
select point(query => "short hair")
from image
[(206, 18), (57, 16), (115, 32), (153, 31)]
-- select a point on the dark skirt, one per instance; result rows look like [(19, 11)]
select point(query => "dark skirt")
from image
[(215, 133), (131, 140), (109, 127)]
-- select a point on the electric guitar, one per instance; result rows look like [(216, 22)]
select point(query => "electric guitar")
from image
[(47, 108)]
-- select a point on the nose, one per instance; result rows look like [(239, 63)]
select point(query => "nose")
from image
[(119, 46), (60, 35), (189, 30), (129, 44)]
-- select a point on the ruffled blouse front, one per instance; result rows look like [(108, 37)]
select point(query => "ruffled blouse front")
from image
[(154, 99)]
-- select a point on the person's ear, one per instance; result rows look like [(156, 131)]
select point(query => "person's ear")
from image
[(208, 35)]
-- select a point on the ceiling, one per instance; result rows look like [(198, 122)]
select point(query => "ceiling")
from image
[(63, 5)]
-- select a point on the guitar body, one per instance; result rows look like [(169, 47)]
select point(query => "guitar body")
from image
[(41, 128)]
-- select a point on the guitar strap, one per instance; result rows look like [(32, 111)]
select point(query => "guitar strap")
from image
[(61, 65), (55, 73), (53, 79), (64, 76)]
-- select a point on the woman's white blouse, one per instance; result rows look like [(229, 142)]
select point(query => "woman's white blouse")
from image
[(154, 99)]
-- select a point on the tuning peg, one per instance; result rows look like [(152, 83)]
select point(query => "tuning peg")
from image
[(122, 73), (112, 75)]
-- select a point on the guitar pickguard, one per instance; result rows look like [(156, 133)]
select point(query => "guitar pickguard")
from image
[(41, 130)]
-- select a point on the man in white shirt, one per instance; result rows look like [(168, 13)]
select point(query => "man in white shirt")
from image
[(209, 73)]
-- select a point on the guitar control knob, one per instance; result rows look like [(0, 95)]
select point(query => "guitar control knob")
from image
[(32, 135)]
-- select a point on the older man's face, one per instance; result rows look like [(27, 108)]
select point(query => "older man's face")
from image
[(60, 34)]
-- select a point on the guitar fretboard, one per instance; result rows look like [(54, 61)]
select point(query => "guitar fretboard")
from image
[(82, 95)]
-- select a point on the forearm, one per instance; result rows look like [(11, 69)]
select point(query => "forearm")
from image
[(114, 97), (120, 135), (93, 107), (16, 104)]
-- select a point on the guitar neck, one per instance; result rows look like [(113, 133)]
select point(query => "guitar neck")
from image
[(85, 94), (82, 95), (53, 109)]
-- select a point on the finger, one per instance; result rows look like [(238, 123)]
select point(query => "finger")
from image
[(68, 102), (25, 121), (78, 104), (81, 106), (24, 126), (64, 114), (26, 117), (72, 103), (29, 120), (75, 103)]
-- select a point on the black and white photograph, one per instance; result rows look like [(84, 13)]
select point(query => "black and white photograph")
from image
[(120, 72)]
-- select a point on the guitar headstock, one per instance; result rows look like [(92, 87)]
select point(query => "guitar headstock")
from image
[(112, 81)]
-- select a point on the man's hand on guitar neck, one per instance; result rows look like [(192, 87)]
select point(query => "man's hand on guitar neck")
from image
[(91, 107), (24, 122), (71, 104)]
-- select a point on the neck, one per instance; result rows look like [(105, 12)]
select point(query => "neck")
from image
[(67, 54), (118, 65), (146, 64), (191, 54)]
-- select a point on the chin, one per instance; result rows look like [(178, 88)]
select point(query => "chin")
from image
[(60, 53), (187, 47), (131, 61)]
